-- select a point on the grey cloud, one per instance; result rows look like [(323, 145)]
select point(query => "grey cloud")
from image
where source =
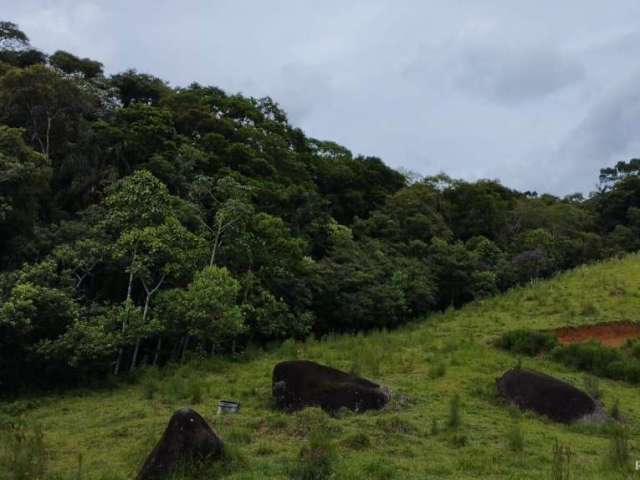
[(497, 89), (508, 75), (607, 134)]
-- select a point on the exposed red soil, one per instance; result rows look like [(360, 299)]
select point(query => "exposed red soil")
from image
[(610, 334)]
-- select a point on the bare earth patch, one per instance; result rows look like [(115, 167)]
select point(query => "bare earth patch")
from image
[(613, 334)]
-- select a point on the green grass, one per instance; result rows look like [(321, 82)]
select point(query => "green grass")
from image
[(446, 356)]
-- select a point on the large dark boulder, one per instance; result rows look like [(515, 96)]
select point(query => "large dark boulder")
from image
[(301, 383), (545, 395), (188, 437)]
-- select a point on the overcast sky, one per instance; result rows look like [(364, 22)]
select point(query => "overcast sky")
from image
[(539, 94)]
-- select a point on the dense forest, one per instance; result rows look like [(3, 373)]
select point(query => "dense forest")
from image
[(142, 223)]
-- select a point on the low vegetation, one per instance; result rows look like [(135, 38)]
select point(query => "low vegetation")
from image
[(591, 356), (113, 429)]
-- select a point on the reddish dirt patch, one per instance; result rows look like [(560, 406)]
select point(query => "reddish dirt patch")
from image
[(610, 334)]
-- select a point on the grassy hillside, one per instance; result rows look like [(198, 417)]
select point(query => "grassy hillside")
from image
[(110, 431)]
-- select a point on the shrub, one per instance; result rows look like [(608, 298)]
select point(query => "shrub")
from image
[(601, 360), (527, 342), (633, 347), (589, 356)]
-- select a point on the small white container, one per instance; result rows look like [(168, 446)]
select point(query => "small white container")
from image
[(228, 406)]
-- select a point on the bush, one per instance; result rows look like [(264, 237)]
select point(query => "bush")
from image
[(589, 356), (527, 342), (601, 360), (633, 347)]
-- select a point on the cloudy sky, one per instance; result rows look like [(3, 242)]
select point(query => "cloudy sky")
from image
[(539, 94)]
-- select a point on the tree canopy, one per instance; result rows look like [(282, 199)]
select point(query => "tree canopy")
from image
[(141, 224)]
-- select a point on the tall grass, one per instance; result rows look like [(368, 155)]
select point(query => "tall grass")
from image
[(515, 438), (453, 421), (23, 454), (618, 454), (561, 462), (317, 458)]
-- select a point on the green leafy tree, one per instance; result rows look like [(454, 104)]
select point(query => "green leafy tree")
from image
[(139, 87), (49, 107), (24, 182), (226, 203), (213, 313), (70, 64)]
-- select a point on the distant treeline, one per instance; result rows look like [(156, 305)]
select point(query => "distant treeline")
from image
[(140, 223)]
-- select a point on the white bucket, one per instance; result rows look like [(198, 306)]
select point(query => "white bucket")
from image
[(228, 406)]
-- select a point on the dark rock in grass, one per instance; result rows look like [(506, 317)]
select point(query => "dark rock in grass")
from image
[(188, 438), (545, 395), (301, 383)]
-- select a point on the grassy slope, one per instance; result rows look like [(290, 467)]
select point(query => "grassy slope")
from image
[(113, 430)]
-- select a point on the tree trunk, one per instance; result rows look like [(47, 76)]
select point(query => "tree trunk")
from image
[(138, 340), (185, 347), (135, 354), (48, 137), (216, 240), (116, 369), (158, 347)]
